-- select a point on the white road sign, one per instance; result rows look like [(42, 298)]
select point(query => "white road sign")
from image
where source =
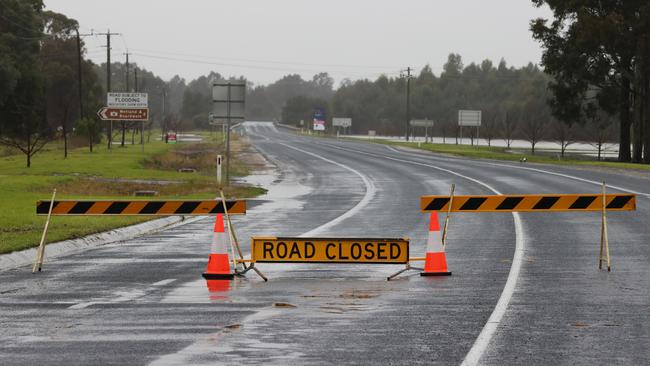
[(229, 99), (469, 118), (421, 123), (127, 100), (342, 122)]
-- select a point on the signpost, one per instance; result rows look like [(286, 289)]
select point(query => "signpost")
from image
[(422, 123), (319, 119), (228, 102), (125, 107), (469, 119)]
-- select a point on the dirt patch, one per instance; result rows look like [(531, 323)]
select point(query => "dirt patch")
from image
[(201, 157)]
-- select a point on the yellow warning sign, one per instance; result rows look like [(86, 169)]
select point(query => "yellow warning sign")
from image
[(330, 250)]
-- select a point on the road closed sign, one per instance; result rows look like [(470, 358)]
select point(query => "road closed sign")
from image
[(330, 250)]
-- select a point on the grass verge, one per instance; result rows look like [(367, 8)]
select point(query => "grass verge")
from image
[(501, 153), (104, 175)]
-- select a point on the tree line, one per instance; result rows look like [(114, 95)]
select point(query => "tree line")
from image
[(513, 102), (594, 86)]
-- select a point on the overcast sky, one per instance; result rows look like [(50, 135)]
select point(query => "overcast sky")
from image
[(267, 39)]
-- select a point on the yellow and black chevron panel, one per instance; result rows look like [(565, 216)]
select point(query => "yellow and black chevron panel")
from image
[(145, 208), (530, 203)]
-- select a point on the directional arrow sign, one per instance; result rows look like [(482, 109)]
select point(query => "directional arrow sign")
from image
[(123, 114)]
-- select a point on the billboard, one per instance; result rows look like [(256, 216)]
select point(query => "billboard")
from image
[(469, 118), (421, 123), (342, 122), (319, 119)]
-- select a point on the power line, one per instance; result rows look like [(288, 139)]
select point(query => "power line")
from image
[(244, 66), (262, 61)]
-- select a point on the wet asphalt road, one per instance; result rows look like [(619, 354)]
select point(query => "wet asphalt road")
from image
[(143, 301)]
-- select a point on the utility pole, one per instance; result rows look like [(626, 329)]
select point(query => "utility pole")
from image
[(80, 84), (408, 100), (128, 90), (163, 124), (135, 78), (108, 35)]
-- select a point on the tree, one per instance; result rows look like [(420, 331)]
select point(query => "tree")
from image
[(562, 133), (600, 129), (533, 123), (489, 128), (23, 124), (601, 46), (58, 58), (508, 127)]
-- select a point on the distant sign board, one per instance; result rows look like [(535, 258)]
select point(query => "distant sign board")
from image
[(123, 114), (330, 250), (229, 100), (127, 100), (342, 122), (421, 123), (319, 119), (469, 118)]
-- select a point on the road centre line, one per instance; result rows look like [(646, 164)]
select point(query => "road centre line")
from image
[(489, 329), (367, 197), (371, 190)]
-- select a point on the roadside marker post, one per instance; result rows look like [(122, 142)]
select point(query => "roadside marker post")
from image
[(604, 239), (602, 203), (219, 161), (40, 253)]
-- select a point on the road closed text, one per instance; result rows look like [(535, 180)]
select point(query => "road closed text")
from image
[(324, 250)]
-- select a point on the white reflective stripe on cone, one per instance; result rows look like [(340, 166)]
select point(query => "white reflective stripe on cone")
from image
[(434, 242)]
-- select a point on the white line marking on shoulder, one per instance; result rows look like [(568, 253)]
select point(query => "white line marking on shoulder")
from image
[(483, 340)]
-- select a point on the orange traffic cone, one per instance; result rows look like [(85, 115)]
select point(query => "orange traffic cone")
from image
[(218, 263), (435, 263)]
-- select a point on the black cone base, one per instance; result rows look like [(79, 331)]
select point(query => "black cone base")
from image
[(431, 274), (218, 276)]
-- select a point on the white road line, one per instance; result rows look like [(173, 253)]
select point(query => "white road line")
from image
[(647, 195), (568, 176), (82, 305), (483, 340), (122, 296), (367, 197), (185, 354), (163, 282)]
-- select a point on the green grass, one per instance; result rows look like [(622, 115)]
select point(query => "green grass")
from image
[(21, 187), (500, 153)]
